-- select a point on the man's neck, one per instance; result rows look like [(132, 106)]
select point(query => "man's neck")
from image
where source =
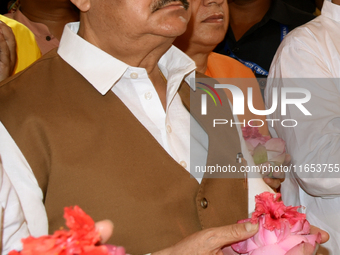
[(201, 61), (196, 51), (336, 2), (200, 58), (144, 52), (246, 13), (54, 14)]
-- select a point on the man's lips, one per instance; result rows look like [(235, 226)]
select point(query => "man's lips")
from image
[(215, 18)]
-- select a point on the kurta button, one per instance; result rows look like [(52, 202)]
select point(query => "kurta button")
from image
[(148, 95), (183, 164), (48, 38), (204, 203), (134, 75), (168, 129)]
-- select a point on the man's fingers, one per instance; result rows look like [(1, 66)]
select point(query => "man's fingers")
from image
[(272, 178), (10, 41), (236, 233), (272, 182), (288, 160), (105, 228), (7, 51), (273, 171), (324, 235), (213, 240), (4, 50)]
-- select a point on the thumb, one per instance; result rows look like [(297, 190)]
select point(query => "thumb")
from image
[(238, 232), (324, 235), (105, 228)]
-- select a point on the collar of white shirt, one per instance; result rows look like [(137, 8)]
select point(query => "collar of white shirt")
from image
[(331, 10), (97, 66)]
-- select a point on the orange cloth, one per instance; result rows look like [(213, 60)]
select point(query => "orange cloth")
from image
[(221, 66)]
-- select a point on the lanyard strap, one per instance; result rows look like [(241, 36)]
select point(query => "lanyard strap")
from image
[(284, 31), (253, 66)]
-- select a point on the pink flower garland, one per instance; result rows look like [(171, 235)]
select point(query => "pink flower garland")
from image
[(282, 229)]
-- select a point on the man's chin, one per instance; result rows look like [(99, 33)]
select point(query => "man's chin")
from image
[(172, 24), (171, 32)]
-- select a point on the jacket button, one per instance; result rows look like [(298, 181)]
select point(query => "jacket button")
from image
[(204, 203)]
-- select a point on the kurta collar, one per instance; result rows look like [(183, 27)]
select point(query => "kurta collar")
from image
[(331, 10), (103, 70)]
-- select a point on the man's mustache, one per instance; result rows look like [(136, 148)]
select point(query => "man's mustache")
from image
[(161, 3)]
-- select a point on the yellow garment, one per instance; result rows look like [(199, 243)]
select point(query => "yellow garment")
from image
[(221, 66), (27, 48)]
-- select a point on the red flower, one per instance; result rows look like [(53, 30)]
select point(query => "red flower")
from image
[(275, 212), (81, 239)]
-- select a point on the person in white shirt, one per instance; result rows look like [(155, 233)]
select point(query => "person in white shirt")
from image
[(312, 53), (122, 47), (13, 222)]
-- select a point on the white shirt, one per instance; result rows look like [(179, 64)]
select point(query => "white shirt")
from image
[(313, 51), (14, 222), (171, 128)]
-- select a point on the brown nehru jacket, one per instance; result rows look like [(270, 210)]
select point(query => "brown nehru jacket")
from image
[(89, 150)]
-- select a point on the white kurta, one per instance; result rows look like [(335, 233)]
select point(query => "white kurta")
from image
[(313, 51), (171, 128)]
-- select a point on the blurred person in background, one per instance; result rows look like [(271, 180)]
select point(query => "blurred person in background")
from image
[(3, 7), (45, 18), (306, 5), (18, 48), (256, 29), (37, 26), (206, 28), (312, 52)]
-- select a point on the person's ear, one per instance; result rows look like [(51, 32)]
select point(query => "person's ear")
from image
[(83, 5)]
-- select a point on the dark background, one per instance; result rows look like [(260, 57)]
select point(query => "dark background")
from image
[(3, 6)]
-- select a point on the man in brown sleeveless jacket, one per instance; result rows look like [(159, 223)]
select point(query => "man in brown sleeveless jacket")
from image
[(103, 123)]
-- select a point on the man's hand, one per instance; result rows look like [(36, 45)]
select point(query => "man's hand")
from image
[(211, 241), (324, 235), (206, 242), (105, 228), (8, 56), (274, 179)]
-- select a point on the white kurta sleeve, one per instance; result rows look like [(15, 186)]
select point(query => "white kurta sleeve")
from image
[(314, 143), (21, 197), (13, 224)]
